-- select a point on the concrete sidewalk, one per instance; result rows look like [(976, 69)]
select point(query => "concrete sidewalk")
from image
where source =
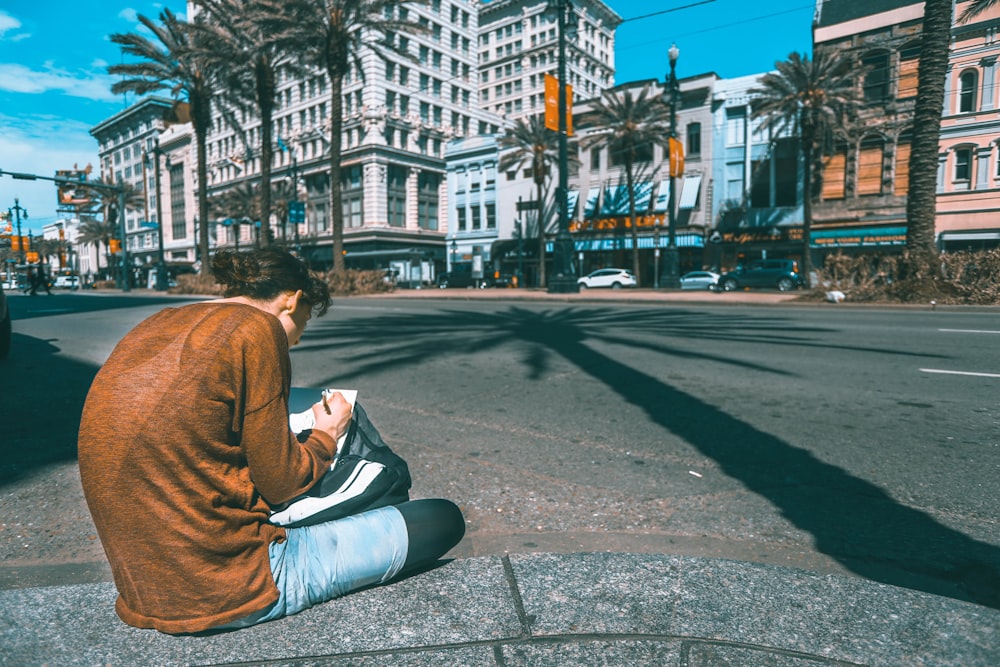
[(541, 609)]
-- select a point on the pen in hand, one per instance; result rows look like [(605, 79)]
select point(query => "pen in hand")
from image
[(325, 405)]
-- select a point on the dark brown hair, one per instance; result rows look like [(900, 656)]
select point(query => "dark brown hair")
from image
[(262, 275)]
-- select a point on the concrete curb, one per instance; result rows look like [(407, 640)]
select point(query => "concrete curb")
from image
[(542, 609)]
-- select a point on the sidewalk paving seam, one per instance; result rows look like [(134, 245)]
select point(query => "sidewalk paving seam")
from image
[(522, 615)]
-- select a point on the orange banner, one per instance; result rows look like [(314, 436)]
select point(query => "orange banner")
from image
[(552, 105)]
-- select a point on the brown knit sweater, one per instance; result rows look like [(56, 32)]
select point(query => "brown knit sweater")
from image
[(183, 442)]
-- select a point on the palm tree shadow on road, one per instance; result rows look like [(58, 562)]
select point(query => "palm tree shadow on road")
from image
[(852, 520)]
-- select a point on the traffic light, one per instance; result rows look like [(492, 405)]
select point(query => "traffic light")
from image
[(115, 245)]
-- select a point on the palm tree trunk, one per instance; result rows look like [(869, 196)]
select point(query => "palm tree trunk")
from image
[(200, 114), (630, 183), (921, 201), (265, 98), (336, 207), (808, 176)]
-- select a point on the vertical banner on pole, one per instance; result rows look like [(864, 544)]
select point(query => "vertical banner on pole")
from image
[(552, 105)]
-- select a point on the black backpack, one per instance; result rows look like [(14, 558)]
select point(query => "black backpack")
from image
[(366, 475)]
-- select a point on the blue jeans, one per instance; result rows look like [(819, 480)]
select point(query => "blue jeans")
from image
[(321, 562)]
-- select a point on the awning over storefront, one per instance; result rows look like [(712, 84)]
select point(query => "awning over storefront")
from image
[(689, 192), (971, 236), (625, 243), (616, 199), (571, 198), (855, 237), (662, 197), (590, 209)]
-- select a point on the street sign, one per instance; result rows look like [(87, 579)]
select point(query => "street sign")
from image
[(527, 205), (296, 212)]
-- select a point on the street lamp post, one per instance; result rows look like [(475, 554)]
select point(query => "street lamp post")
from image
[(16, 211), (672, 268), (454, 253), (656, 255), (563, 281)]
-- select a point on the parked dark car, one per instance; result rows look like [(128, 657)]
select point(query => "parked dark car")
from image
[(5, 328), (781, 274), (461, 276)]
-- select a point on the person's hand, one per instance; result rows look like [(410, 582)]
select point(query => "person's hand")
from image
[(333, 415)]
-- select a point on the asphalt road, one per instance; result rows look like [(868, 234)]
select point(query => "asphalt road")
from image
[(860, 441)]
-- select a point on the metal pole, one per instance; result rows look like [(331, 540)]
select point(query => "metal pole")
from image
[(18, 209), (126, 282), (563, 280), (672, 277)]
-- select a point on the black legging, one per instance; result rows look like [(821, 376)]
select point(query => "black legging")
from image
[(433, 526)]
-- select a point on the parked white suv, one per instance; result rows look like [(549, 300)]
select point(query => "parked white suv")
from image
[(613, 278)]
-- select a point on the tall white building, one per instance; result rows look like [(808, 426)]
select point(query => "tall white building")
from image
[(519, 44), (398, 116)]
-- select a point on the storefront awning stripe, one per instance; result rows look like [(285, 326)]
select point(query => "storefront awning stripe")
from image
[(662, 197), (689, 192)]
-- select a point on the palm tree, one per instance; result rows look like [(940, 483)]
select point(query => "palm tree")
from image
[(815, 97), (921, 200), (529, 142), (174, 62), (98, 232), (333, 35), (283, 193), (247, 56), (975, 8), (631, 124), (106, 201), (238, 205)]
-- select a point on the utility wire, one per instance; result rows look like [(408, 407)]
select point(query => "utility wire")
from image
[(668, 11), (752, 19)]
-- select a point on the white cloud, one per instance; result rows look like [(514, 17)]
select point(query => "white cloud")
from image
[(88, 85), (9, 24), (40, 145), (128, 14)]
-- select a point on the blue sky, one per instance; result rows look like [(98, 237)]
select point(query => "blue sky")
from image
[(54, 55)]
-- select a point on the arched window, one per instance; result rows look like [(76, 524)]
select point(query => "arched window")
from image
[(876, 73), (967, 83), (870, 166), (962, 172), (834, 173), (909, 57), (901, 185)]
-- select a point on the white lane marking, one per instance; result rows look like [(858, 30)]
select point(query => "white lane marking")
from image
[(944, 372), (986, 331)]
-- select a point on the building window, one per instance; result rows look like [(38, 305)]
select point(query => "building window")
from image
[(461, 218), (735, 127), (909, 57), (876, 81), (901, 185), (870, 167), (396, 195), (963, 165), (694, 139), (350, 185), (595, 159), (834, 173), (427, 200), (491, 216), (178, 213), (967, 91)]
